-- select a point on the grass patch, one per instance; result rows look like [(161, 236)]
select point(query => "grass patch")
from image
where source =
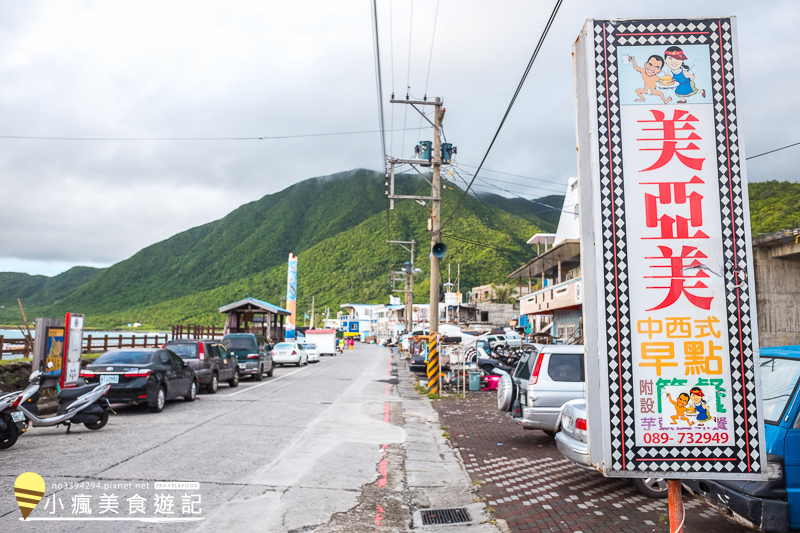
[(15, 361)]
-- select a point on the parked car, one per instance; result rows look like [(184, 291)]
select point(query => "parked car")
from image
[(494, 340), (311, 350), (513, 339), (540, 384), (252, 354), (210, 361), (143, 375), (772, 505), (573, 443), (285, 353)]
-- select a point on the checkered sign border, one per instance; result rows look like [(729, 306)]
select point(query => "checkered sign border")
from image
[(743, 455)]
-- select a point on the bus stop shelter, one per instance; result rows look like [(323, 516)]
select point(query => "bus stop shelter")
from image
[(256, 316)]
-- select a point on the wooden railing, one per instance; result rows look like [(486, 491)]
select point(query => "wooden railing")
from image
[(107, 342), (91, 343), (15, 347), (197, 332)]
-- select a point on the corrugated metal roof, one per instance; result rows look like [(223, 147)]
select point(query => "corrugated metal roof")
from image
[(257, 303)]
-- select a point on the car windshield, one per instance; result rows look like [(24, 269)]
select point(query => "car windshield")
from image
[(183, 349), (310, 346), (779, 378), (239, 344), (284, 346), (119, 357)]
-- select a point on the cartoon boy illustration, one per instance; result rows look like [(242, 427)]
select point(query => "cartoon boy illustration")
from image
[(649, 74), (680, 408), (700, 405), (681, 74)]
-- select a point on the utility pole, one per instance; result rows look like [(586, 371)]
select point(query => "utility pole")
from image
[(436, 229), (431, 154), (409, 287), (312, 311)]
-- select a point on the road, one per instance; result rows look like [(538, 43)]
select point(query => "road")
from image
[(284, 454)]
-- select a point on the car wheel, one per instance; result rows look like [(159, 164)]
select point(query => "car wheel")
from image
[(258, 376), (654, 487), (191, 395), (234, 381), (488, 369), (159, 399), (100, 423), (10, 436), (213, 385), (271, 371)]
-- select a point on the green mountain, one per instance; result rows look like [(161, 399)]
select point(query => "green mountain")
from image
[(774, 206), (543, 212), (43, 290), (337, 225)]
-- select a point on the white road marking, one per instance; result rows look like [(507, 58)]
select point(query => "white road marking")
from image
[(248, 389)]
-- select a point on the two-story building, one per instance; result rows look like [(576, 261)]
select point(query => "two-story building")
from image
[(557, 271)]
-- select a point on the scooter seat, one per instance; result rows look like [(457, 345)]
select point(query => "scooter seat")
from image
[(71, 394)]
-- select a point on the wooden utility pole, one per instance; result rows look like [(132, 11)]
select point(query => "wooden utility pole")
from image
[(409, 286), (436, 229)]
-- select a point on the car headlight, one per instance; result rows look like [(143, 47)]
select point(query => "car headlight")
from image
[(774, 470)]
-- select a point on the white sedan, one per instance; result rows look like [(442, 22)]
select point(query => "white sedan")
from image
[(288, 353), (313, 352)]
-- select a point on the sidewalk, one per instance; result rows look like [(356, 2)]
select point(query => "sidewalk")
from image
[(435, 474), (528, 483)]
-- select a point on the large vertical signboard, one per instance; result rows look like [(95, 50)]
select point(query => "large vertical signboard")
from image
[(672, 374), (291, 297)]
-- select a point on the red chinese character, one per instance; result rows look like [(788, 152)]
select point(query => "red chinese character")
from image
[(669, 142), (667, 193), (688, 260)]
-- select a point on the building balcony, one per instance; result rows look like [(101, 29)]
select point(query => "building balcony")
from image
[(566, 295)]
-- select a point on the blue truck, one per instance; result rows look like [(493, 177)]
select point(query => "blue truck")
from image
[(772, 505)]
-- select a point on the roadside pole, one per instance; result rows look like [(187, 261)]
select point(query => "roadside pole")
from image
[(436, 230), (676, 512)]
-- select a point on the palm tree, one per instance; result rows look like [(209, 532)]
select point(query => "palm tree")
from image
[(503, 294)]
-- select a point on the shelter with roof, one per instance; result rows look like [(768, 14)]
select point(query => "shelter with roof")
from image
[(256, 316)]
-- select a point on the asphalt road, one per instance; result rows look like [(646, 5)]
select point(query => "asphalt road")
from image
[(283, 454)]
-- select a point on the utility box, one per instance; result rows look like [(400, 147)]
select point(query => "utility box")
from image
[(426, 150), (447, 152)]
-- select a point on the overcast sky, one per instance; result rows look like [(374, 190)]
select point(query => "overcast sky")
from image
[(212, 69)]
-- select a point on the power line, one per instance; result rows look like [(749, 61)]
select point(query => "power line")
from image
[(482, 244), (555, 182), (433, 37), (391, 55), (408, 70), (773, 151), (260, 138), (378, 81), (513, 99)]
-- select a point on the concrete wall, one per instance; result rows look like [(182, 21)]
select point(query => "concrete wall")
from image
[(500, 314), (777, 297)]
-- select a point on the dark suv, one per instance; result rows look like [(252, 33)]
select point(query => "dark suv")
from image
[(252, 354), (210, 361)]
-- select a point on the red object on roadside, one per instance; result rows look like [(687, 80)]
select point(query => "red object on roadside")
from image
[(490, 382)]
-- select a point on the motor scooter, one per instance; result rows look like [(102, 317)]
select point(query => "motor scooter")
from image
[(85, 405), (12, 421)]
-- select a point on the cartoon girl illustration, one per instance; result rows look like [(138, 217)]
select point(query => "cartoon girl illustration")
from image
[(700, 405), (681, 74)]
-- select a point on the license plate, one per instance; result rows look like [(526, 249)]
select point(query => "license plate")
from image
[(17, 416), (242, 365), (109, 379)]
